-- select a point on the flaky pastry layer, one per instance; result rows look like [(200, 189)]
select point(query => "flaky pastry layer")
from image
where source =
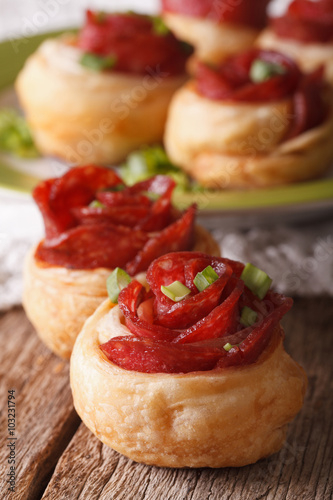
[(222, 418), (213, 42), (86, 116), (309, 56), (240, 145), (58, 300)]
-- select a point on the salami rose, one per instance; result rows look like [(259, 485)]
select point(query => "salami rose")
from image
[(203, 331), (247, 12), (234, 81), (93, 220), (306, 21), (112, 35)]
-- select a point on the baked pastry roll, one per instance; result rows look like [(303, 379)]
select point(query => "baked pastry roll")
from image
[(255, 120), (305, 33), (197, 380), (93, 224), (96, 96), (216, 29)]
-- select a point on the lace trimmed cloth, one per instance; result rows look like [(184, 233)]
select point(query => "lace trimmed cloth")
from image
[(300, 260)]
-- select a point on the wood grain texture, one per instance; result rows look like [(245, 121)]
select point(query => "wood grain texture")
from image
[(86, 469), (45, 417)]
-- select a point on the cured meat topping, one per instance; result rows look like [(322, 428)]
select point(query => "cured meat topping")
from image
[(203, 331), (93, 220), (306, 21), (133, 43), (266, 76), (246, 12)]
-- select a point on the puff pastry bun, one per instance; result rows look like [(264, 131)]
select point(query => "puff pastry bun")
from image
[(213, 42), (224, 143), (224, 417), (84, 116), (58, 300)]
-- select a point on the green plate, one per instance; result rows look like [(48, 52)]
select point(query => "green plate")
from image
[(302, 197)]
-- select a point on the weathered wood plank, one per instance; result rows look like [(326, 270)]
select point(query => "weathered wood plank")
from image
[(302, 470), (45, 417)]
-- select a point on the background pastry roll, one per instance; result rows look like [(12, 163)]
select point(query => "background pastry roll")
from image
[(96, 96), (254, 120), (215, 29), (305, 33), (94, 224), (192, 372)]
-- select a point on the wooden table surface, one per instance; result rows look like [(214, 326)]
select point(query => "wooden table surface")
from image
[(56, 457)]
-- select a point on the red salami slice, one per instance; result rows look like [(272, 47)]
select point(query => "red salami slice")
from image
[(176, 237), (57, 197), (190, 335), (134, 42), (192, 309), (231, 81), (161, 214), (219, 322), (129, 230), (129, 216), (123, 198), (150, 356), (129, 300), (244, 12), (93, 246), (306, 21), (257, 337)]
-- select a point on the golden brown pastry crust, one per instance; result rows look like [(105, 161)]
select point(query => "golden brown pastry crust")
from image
[(309, 56), (85, 116), (239, 145), (213, 42), (58, 300), (221, 418)]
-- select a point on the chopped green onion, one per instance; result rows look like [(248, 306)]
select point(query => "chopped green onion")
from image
[(256, 280), (98, 63), (147, 162), (248, 316), (205, 278), (176, 291), (262, 70), (152, 196), (100, 17), (228, 346), (15, 136), (186, 47), (159, 26), (115, 189), (116, 281), (96, 204)]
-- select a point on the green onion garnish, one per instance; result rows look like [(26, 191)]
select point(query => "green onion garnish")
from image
[(159, 26), (100, 17), (228, 346), (256, 280), (96, 204), (152, 196), (115, 189), (176, 291), (117, 280), (262, 70), (248, 316), (15, 136), (151, 161), (98, 63), (205, 278)]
